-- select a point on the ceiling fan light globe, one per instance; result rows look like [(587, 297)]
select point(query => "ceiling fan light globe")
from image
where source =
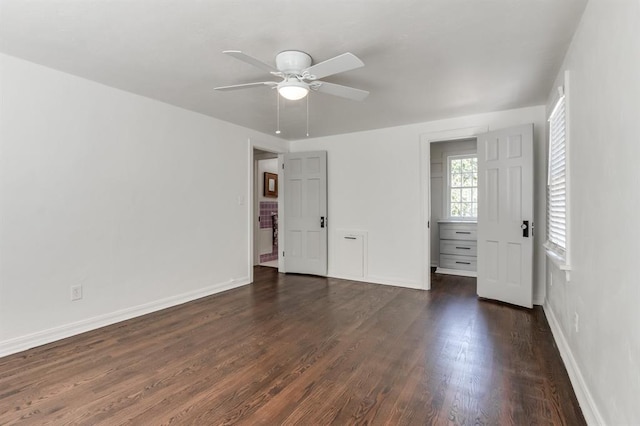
[(292, 91)]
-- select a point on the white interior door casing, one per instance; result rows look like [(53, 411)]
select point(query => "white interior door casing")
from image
[(305, 212), (505, 182)]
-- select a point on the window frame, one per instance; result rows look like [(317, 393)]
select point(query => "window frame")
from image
[(559, 255), (447, 205)]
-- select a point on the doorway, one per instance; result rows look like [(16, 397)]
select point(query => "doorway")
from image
[(265, 208), (500, 241), (430, 221), (454, 200)]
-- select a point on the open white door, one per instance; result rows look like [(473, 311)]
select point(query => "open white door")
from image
[(505, 215), (304, 179)]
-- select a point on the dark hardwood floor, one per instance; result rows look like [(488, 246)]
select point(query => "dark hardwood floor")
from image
[(302, 350)]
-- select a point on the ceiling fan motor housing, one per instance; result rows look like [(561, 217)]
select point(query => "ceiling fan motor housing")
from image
[(292, 61)]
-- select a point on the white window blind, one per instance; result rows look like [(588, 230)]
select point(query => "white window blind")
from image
[(557, 182)]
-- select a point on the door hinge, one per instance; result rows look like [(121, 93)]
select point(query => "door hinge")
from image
[(428, 224), (283, 167), (282, 254)]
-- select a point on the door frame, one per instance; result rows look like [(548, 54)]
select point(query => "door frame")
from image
[(251, 204), (426, 139)]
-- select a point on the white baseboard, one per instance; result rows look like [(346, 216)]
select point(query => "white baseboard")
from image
[(587, 404), (460, 272), (39, 338)]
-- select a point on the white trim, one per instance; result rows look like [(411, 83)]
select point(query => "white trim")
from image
[(39, 338), (251, 200), (567, 164), (562, 260), (460, 272), (425, 212), (558, 260), (587, 404), (281, 215)]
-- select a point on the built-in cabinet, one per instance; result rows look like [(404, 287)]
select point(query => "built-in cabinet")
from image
[(458, 248)]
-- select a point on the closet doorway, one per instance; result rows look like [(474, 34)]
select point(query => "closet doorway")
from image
[(494, 242), (454, 206)]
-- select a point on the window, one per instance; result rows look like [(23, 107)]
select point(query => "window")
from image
[(557, 181), (463, 186)]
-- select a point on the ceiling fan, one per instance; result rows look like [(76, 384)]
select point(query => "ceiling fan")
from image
[(299, 76)]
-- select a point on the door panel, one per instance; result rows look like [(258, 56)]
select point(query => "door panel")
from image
[(505, 179), (305, 204)]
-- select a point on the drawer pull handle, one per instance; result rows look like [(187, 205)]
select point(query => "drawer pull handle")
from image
[(464, 248), (463, 232), (349, 238), (464, 263)]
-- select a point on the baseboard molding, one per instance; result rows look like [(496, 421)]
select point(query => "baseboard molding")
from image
[(459, 272), (587, 404), (39, 338)]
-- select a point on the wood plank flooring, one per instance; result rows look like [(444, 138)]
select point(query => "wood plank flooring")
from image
[(302, 350)]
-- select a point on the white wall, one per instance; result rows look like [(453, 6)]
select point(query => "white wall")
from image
[(143, 204), (374, 186), (603, 356), (438, 173)]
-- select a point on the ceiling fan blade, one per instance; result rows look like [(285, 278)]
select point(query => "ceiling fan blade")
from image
[(341, 63), (246, 85), (342, 91), (250, 60)]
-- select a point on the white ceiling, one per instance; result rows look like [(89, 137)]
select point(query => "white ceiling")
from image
[(424, 59)]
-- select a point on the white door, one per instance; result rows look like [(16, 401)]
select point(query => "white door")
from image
[(505, 182), (305, 212)]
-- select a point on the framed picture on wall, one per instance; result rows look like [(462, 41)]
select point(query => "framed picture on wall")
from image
[(270, 185)]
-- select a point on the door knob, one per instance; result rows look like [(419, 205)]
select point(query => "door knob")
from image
[(525, 228)]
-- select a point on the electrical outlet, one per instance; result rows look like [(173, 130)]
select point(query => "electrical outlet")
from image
[(576, 321), (76, 292)]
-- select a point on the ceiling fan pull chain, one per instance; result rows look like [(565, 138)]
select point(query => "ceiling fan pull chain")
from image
[(308, 115), (278, 113)]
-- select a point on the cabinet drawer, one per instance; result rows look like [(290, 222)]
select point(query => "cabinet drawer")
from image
[(450, 261), (458, 231), (461, 247)]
